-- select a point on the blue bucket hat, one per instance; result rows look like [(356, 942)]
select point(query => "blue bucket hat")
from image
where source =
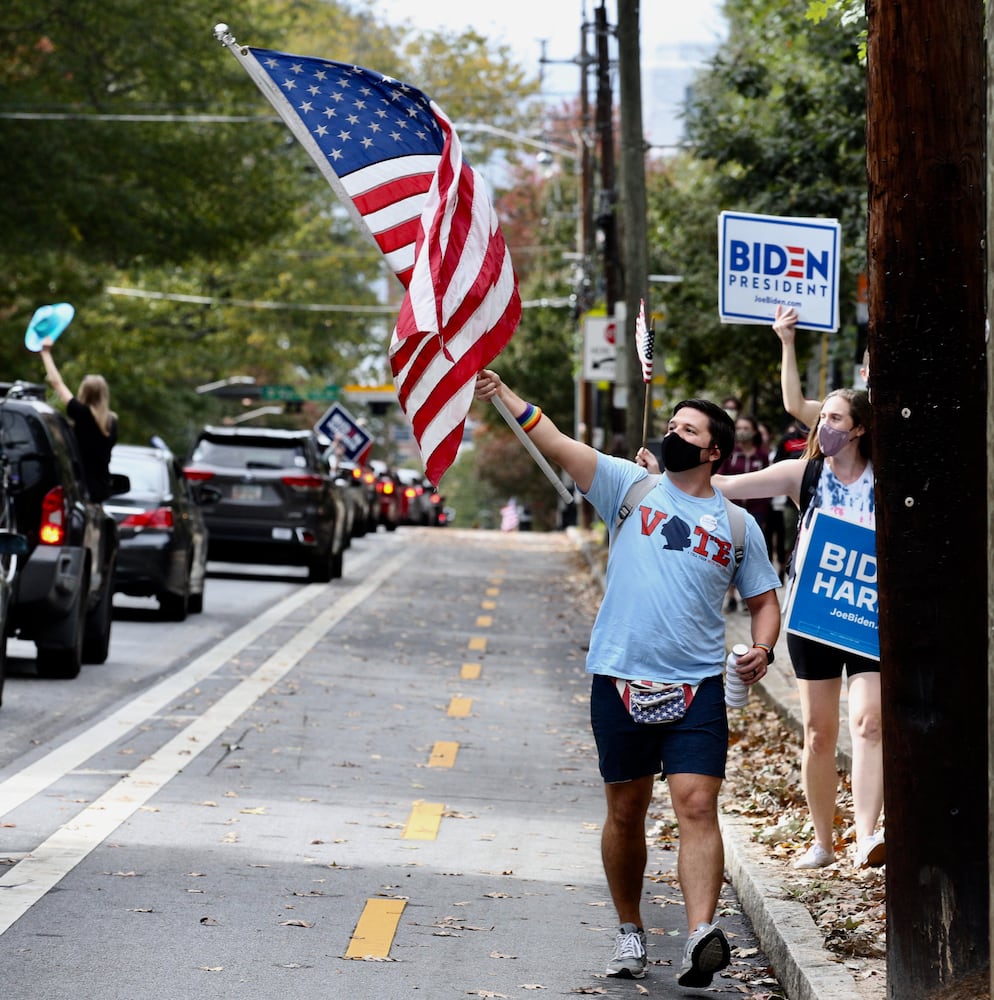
[(48, 321)]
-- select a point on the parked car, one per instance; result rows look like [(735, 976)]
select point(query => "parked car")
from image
[(277, 501), (388, 494), (415, 497), (160, 525), (62, 592), (360, 494)]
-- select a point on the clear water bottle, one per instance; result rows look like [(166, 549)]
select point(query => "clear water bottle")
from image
[(736, 693)]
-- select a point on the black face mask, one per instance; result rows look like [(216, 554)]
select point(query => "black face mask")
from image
[(680, 455)]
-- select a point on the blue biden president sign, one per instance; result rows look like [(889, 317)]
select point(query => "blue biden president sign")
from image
[(834, 597)]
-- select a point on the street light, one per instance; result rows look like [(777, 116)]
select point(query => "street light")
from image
[(225, 382)]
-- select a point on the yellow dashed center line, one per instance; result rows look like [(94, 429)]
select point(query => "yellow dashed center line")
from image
[(443, 754), (493, 591), (375, 931), (488, 605), (424, 821), (460, 707), (470, 671), (484, 621), (478, 644)]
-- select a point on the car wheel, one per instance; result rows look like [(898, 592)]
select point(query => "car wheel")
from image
[(320, 568), (64, 662), (196, 603), (96, 633), (174, 607), (3, 661), (337, 565)]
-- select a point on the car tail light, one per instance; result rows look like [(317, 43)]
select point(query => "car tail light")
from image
[(411, 492), (305, 482), (357, 474), (369, 478), (436, 498), (53, 518), (197, 475), (385, 488), (159, 519)]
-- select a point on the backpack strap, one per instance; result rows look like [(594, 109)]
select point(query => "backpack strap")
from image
[(737, 522), (636, 492), (809, 483), (642, 487)]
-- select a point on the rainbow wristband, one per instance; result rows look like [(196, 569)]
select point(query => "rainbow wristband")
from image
[(529, 419)]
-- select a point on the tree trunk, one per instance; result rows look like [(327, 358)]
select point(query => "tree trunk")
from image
[(927, 212)]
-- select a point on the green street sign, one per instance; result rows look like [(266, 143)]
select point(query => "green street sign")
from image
[(279, 392), (329, 394)]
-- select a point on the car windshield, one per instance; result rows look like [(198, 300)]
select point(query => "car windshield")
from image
[(250, 456)]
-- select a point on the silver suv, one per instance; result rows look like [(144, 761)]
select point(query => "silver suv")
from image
[(278, 502)]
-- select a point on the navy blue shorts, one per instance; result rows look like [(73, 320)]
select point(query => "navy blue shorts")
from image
[(815, 661), (695, 744)]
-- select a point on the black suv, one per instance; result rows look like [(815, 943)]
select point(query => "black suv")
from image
[(62, 594), (278, 501)]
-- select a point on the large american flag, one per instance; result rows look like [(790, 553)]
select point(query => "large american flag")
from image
[(395, 160)]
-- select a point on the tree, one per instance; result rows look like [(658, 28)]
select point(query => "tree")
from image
[(774, 125), (227, 212)]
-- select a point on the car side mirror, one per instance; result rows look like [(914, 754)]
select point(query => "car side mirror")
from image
[(13, 544), (205, 494), (119, 483)]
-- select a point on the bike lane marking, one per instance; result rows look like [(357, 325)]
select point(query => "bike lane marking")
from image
[(36, 777), (30, 879)]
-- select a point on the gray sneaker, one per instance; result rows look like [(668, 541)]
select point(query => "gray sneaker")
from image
[(628, 960), (707, 951)]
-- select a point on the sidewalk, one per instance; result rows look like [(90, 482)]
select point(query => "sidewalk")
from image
[(786, 931)]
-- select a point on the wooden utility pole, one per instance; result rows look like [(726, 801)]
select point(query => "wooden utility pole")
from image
[(927, 212), (633, 212)]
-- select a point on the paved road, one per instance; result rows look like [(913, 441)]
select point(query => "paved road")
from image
[(395, 768)]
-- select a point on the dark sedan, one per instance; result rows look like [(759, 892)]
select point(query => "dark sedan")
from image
[(163, 538)]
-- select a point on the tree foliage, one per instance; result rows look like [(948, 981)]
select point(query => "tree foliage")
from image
[(775, 125), (201, 217)]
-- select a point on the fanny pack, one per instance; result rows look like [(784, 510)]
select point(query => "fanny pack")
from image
[(654, 701)]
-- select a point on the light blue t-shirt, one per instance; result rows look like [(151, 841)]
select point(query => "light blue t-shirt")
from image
[(667, 574)]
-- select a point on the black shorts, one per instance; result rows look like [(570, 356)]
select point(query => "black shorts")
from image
[(815, 661), (695, 744)]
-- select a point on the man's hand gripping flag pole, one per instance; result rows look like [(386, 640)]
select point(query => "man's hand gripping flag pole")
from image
[(644, 342)]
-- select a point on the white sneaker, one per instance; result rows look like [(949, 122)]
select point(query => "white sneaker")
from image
[(629, 959), (815, 857), (871, 852)]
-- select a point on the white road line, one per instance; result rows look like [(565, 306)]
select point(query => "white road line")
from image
[(24, 884)]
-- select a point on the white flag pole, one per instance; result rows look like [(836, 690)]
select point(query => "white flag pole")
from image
[(532, 450)]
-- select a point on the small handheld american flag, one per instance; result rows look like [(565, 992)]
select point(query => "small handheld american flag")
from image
[(645, 338), (644, 341)]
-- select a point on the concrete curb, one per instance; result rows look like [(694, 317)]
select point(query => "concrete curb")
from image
[(785, 928)]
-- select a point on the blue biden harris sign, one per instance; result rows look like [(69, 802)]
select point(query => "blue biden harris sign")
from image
[(834, 597)]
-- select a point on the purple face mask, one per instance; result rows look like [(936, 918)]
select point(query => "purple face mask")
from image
[(831, 440)]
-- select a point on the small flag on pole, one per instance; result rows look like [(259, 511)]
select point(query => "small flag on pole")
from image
[(395, 161), (644, 341)]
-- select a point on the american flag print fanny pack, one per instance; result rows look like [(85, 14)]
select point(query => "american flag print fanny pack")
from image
[(654, 701)]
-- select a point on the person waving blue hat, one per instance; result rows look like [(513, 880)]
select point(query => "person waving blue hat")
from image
[(48, 321)]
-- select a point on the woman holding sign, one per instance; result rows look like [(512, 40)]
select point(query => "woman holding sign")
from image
[(834, 475)]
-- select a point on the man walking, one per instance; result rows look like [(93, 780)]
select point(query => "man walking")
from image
[(659, 641)]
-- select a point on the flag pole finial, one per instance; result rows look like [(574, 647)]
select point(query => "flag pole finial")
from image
[(223, 34)]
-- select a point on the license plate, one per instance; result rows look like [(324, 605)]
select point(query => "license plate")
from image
[(246, 491), (282, 535)]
